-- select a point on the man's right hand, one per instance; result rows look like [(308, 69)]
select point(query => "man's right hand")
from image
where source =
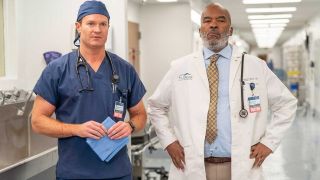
[(176, 153), (91, 129)]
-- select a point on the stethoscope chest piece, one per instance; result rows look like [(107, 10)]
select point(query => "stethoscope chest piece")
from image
[(243, 113)]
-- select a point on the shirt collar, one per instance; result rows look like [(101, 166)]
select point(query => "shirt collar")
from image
[(225, 52)]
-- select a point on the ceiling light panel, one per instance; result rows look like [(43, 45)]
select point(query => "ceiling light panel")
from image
[(271, 16), (269, 21), (268, 25), (165, 1), (267, 31), (271, 10), (269, 1)]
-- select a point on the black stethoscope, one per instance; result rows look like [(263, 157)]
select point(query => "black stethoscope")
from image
[(243, 112), (81, 62)]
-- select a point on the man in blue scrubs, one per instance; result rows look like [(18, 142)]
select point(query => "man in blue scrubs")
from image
[(83, 88)]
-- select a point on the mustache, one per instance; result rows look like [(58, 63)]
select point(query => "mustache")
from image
[(213, 31)]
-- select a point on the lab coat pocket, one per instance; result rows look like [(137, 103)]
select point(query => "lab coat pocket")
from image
[(193, 162), (256, 174), (186, 174)]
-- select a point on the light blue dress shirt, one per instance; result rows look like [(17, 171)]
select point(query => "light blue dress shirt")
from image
[(221, 147)]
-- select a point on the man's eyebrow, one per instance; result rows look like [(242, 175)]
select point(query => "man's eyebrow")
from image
[(221, 17), (206, 17)]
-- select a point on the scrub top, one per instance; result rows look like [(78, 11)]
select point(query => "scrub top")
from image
[(60, 85)]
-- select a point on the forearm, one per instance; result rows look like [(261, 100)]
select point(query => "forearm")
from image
[(138, 116), (139, 121), (52, 127)]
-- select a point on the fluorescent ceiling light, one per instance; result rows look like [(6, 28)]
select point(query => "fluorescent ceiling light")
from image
[(268, 25), (271, 16), (266, 10), (267, 30), (195, 17), (269, 21), (267, 41), (278, 25), (259, 25), (267, 37), (269, 1), (163, 1)]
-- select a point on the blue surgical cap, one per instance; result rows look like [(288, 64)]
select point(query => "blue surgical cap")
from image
[(92, 7)]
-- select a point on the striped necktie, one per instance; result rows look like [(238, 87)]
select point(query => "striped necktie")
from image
[(213, 78)]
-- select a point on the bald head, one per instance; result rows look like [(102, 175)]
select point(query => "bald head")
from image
[(216, 6)]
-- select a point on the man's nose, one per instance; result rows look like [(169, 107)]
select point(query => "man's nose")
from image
[(97, 28), (213, 24)]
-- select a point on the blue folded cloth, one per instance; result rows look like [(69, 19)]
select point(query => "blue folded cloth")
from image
[(105, 147)]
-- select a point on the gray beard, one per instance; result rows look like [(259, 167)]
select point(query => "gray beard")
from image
[(215, 45)]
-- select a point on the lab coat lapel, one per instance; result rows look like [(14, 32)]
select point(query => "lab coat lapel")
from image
[(200, 68), (234, 67)]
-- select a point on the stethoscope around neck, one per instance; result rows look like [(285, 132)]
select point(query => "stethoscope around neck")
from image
[(81, 62), (243, 112)]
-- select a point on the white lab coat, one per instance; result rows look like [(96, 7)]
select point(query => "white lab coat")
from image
[(184, 94)]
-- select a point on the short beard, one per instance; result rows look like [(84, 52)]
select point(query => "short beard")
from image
[(214, 45)]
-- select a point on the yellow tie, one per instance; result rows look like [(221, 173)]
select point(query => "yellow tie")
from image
[(213, 78)]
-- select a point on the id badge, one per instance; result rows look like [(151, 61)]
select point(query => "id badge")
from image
[(254, 104), (118, 109)]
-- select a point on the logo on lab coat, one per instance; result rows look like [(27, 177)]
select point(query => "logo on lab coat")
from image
[(185, 76)]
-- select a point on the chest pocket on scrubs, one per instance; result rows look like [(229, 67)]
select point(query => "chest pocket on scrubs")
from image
[(69, 90)]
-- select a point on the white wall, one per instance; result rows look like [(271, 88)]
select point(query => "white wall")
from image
[(166, 34), (133, 11), (36, 26)]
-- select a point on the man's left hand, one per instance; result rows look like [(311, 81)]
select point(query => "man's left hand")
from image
[(119, 130), (260, 152)]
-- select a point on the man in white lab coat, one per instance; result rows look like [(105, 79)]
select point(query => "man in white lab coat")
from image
[(206, 136)]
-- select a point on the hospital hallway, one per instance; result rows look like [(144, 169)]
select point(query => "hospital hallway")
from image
[(155, 39)]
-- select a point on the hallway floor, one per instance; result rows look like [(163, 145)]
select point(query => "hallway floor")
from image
[(297, 158)]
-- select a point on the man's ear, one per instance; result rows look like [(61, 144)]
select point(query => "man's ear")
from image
[(78, 26), (230, 31)]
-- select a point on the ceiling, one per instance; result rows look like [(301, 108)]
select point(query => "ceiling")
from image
[(306, 10)]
